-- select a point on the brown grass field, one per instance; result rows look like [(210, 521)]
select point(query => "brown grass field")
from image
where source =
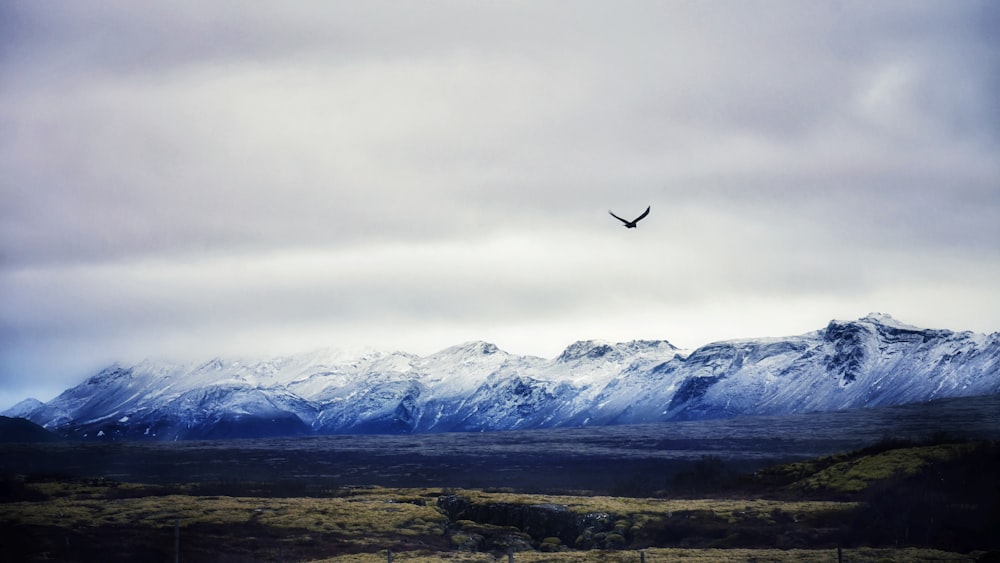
[(896, 502)]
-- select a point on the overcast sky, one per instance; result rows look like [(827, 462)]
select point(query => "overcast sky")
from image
[(185, 180)]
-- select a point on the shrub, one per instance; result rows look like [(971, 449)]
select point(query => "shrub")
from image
[(550, 544)]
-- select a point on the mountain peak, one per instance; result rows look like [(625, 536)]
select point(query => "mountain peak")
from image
[(23, 408), (474, 347), (647, 345), (580, 349), (110, 374), (886, 319), (874, 322)]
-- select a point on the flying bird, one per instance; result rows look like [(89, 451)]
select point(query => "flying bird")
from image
[(631, 224)]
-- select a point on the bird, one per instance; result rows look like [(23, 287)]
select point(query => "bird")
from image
[(631, 224)]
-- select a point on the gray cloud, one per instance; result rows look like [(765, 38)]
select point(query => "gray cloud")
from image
[(241, 177)]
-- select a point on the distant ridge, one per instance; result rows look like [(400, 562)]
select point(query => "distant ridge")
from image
[(872, 361), (19, 430)]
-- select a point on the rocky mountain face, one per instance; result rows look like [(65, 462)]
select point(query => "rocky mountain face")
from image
[(873, 361)]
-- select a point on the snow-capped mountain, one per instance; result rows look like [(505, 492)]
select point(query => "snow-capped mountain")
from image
[(874, 361), (23, 409)]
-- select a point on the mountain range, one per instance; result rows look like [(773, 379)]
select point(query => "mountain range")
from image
[(873, 361)]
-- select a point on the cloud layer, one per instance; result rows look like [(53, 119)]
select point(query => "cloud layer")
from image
[(246, 178)]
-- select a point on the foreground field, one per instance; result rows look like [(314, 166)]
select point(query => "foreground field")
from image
[(881, 504), (658, 555), (91, 521)]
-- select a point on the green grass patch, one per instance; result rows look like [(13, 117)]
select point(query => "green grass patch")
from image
[(855, 474)]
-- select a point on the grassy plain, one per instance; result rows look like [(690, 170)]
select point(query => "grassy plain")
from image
[(663, 555), (892, 502)]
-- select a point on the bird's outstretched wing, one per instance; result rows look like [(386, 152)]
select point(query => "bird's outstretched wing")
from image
[(620, 219), (644, 213)]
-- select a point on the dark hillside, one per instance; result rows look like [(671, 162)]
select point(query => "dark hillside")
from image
[(20, 430), (952, 504)]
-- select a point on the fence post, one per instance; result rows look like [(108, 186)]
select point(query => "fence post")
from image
[(177, 540), (389, 555), (642, 557), (510, 555), (840, 554)]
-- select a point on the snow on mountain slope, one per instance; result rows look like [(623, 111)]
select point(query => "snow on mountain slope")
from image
[(23, 408), (869, 362), (476, 386)]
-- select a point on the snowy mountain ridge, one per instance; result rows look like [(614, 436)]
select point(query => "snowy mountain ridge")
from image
[(873, 361)]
